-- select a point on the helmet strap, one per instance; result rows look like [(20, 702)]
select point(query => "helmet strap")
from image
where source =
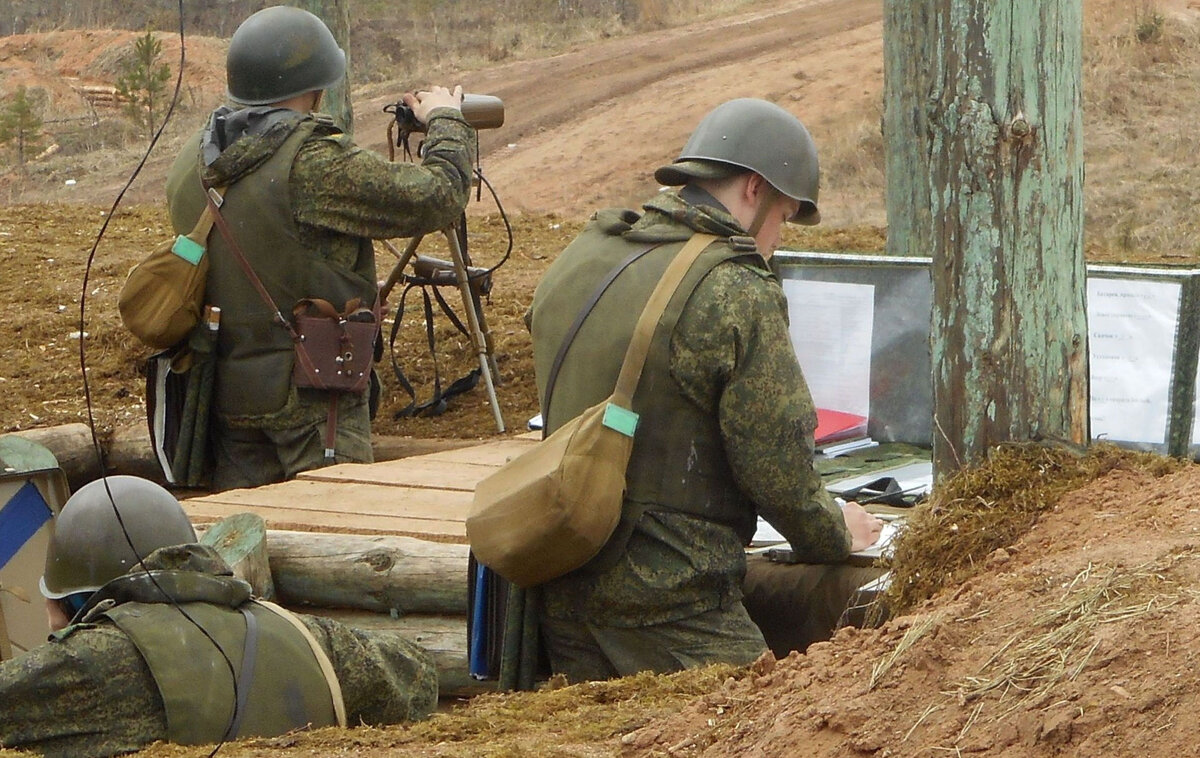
[(769, 196)]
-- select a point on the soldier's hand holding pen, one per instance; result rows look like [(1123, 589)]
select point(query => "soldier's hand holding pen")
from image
[(864, 527)]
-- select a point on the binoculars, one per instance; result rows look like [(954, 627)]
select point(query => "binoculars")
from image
[(480, 111)]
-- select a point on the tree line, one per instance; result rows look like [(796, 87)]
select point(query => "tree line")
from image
[(218, 18)]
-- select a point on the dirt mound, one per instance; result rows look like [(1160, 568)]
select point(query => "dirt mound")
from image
[(1079, 639)]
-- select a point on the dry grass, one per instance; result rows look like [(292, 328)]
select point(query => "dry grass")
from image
[(1141, 85), (914, 634), (1058, 642), (580, 720), (990, 506)]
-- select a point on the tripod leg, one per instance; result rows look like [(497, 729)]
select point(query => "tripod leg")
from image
[(475, 321), (398, 270)]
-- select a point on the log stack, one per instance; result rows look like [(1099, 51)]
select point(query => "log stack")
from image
[(413, 587)]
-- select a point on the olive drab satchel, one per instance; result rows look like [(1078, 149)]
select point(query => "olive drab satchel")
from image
[(550, 510), (163, 296)]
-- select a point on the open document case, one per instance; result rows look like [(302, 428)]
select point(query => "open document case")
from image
[(886, 479)]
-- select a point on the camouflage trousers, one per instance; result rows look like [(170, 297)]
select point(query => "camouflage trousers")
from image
[(797, 604), (253, 457), (588, 652)]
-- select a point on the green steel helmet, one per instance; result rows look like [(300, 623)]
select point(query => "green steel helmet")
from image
[(281, 52), (89, 548), (757, 135)]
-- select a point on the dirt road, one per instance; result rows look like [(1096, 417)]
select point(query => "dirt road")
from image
[(584, 129), (587, 128)]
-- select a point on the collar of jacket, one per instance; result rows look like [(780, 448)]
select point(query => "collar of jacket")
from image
[(236, 142), (177, 574), (670, 217)]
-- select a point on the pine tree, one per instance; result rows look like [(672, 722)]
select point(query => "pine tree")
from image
[(143, 82), (21, 123)]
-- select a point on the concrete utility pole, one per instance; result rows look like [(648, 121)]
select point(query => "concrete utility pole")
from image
[(336, 15), (984, 139)]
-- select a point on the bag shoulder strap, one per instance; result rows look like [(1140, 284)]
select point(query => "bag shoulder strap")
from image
[(215, 199), (639, 347), (335, 686), (603, 286), (203, 226)]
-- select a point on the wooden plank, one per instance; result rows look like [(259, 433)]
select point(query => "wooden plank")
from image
[(331, 521), (489, 454), (410, 472), (367, 499)]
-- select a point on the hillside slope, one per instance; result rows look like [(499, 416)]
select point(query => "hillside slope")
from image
[(586, 127)]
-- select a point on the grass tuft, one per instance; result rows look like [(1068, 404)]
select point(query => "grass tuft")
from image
[(990, 506)]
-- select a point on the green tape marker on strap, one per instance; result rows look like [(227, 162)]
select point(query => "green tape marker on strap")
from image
[(620, 419), (188, 249)]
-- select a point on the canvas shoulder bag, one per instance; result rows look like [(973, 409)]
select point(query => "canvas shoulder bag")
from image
[(550, 510), (162, 298)]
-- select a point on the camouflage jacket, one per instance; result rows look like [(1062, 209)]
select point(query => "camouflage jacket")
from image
[(730, 354), (88, 691), (310, 238)]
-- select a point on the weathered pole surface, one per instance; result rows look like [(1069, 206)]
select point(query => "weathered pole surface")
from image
[(336, 15), (984, 138)]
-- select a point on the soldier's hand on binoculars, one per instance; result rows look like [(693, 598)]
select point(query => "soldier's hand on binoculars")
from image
[(435, 97)]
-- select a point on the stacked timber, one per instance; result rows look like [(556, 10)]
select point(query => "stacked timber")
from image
[(413, 587), (100, 95), (380, 545)]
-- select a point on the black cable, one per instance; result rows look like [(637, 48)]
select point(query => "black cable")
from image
[(87, 394), (507, 228)]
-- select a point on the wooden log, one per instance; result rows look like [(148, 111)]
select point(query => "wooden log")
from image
[(444, 637), (241, 541), (129, 452), (984, 132), (72, 447), (372, 573)]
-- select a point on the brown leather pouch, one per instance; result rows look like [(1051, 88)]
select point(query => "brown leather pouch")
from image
[(334, 351)]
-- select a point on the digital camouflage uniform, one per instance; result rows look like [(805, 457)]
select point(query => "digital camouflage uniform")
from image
[(665, 593), (304, 204), (90, 692)]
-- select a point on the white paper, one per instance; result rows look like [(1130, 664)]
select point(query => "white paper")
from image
[(831, 327), (1196, 418), (1131, 333), (913, 478)]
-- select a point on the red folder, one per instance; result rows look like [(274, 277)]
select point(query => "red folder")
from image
[(833, 426)]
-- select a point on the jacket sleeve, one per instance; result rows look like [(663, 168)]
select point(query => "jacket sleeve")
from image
[(339, 186), (732, 354), (385, 678), (86, 693)]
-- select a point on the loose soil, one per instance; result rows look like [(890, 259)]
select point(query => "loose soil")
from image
[(1078, 639)]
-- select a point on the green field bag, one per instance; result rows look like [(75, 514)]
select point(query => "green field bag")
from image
[(163, 296), (550, 510)]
